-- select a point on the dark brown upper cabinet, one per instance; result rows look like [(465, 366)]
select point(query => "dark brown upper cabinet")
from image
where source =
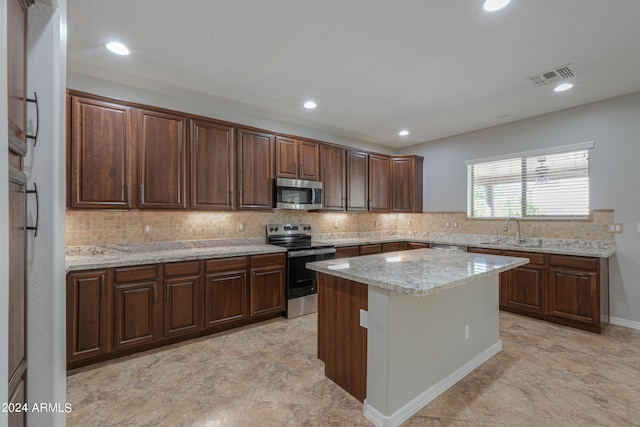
[(357, 181), (406, 184), (17, 74), (212, 166), (256, 151), (333, 177), (379, 183), (162, 160), (297, 159), (101, 147)]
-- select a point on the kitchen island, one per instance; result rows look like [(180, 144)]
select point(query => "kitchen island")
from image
[(398, 329)]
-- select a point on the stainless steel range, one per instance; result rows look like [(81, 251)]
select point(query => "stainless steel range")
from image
[(302, 283)]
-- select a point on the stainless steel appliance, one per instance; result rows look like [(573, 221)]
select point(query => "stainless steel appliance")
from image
[(298, 194), (443, 247), (302, 283)]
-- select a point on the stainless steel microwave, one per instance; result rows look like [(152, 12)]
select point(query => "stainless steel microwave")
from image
[(298, 194)]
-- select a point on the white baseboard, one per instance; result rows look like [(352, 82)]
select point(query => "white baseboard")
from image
[(419, 402), (624, 322)]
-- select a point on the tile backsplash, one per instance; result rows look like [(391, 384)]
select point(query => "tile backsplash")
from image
[(111, 227)]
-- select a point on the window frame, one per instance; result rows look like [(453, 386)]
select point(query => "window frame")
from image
[(523, 156)]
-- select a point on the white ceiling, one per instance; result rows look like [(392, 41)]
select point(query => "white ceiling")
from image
[(436, 68)]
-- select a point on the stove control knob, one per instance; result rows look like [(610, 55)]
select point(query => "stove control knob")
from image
[(276, 228), (270, 228)]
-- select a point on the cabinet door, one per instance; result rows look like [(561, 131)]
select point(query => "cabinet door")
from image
[(287, 158), (135, 307), (309, 155), (86, 314), (212, 149), (181, 305), (379, 183), (406, 184), (357, 176), (523, 288), (393, 246), (17, 70), (573, 295), (225, 298), (333, 178), (17, 315), (267, 290), (100, 172), (162, 160), (255, 170)]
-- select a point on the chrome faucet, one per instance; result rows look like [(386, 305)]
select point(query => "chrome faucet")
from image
[(519, 239)]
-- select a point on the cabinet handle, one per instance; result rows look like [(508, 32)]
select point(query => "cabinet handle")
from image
[(241, 201), (102, 286), (295, 167), (141, 195), (35, 227), (302, 173), (166, 297), (228, 197), (155, 295), (572, 273), (35, 101)]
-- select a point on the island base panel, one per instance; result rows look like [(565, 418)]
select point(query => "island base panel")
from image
[(342, 342)]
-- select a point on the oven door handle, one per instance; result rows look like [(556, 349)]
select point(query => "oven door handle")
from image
[(310, 252)]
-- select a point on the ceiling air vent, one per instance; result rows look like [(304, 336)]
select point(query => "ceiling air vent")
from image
[(558, 74)]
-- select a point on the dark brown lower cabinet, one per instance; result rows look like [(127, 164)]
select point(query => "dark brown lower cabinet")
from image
[(225, 291), (118, 311), (181, 305), (417, 245), (565, 289), (394, 246), (523, 288), (86, 314), (135, 306), (267, 284)]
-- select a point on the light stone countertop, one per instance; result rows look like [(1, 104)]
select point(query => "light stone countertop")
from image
[(577, 247), (92, 257), (418, 272)]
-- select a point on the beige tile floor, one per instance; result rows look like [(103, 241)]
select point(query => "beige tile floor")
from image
[(268, 375)]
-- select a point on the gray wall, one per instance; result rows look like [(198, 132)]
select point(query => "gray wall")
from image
[(207, 106), (613, 125)]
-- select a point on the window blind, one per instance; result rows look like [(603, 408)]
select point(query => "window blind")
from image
[(552, 184)]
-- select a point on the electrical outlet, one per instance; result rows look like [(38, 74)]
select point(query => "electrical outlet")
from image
[(466, 332), (616, 228), (448, 224), (240, 226), (455, 225), (375, 223), (147, 228), (409, 223), (335, 224), (363, 318)]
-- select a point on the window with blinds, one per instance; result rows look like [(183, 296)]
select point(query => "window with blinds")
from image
[(536, 184)]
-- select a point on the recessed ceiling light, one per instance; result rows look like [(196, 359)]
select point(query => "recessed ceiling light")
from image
[(403, 132), (493, 5), (562, 87), (310, 105), (117, 48)]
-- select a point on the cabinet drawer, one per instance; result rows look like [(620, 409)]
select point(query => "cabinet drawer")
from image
[(268, 259), (533, 257), (577, 262), (417, 245), (132, 274), (347, 252), (392, 247), (226, 264), (181, 268), (370, 249), (487, 251)]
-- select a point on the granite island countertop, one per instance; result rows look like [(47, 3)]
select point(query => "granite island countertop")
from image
[(105, 256), (419, 272), (576, 247)]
